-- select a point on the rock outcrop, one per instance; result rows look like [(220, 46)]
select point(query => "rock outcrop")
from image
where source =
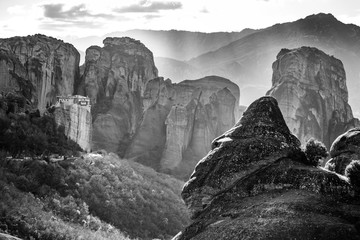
[(114, 78), (180, 121), (310, 87), (344, 149), (77, 122), (38, 67), (253, 184), (4, 236)]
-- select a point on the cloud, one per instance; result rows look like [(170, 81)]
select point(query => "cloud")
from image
[(204, 10), (56, 11), (151, 16), (65, 25), (17, 10), (147, 6)]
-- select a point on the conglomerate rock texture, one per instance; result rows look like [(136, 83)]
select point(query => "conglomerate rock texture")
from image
[(344, 149), (254, 184), (77, 122), (39, 68), (180, 121), (310, 87), (114, 79)]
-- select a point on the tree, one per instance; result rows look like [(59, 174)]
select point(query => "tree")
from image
[(315, 151), (352, 171)]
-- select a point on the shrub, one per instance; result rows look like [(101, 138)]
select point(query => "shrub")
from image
[(24, 215), (352, 171), (314, 151)]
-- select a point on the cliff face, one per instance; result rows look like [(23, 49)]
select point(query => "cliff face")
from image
[(310, 87), (114, 78), (77, 122), (39, 68), (253, 184), (180, 121)]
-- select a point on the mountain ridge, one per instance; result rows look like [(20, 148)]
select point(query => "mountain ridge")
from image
[(170, 43), (255, 52)]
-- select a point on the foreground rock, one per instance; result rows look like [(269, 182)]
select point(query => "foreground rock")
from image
[(310, 87), (114, 79), (344, 149), (4, 236), (180, 121), (253, 185), (38, 67)]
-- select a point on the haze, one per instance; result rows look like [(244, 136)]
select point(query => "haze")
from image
[(68, 19)]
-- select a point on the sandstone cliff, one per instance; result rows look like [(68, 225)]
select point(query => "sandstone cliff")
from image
[(180, 121), (114, 78), (253, 184), (77, 122), (310, 87), (38, 67)]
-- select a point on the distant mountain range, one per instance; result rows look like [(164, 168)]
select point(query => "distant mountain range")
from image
[(246, 57), (179, 45), (255, 53)]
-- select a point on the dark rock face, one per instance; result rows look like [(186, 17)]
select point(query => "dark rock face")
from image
[(114, 78), (344, 149), (253, 185), (39, 68), (310, 87), (180, 121), (259, 135)]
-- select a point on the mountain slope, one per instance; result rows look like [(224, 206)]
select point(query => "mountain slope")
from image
[(255, 53), (96, 196), (179, 45)]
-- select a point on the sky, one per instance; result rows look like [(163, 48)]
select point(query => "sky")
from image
[(69, 19)]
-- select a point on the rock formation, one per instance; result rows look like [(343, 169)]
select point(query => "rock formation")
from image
[(310, 87), (114, 78), (344, 149), (77, 122), (38, 67), (180, 121), (253, 184)]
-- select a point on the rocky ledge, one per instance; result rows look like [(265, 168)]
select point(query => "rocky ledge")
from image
[(254, 184)]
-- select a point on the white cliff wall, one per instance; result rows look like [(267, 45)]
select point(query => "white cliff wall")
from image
[(77, 122)]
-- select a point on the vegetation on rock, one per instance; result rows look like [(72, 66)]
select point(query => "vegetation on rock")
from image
[(352, 171), (26, 135), (315, 151), (28, 216)]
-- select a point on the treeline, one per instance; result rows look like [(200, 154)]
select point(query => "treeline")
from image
[(29, 134), (92, 193)]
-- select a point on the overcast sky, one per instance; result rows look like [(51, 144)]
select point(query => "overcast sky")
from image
[(80, 18)]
